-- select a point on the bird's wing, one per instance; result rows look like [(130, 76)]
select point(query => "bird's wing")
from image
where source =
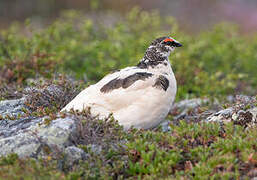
[(115, 91)]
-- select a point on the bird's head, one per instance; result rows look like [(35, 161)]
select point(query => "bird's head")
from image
[(158, 52), (165, 44)]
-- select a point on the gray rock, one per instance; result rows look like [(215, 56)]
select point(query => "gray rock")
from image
[(165, 126), (180, 111), (97, 149), (241, 98), (247, 118), (31, 136), (12, 107), (230, 98), (38, 137), (187, 104), (187, 110), (223, 115), (74, 154), (254, 112)]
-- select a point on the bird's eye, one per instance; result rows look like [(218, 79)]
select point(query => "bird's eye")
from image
[(169, 43)]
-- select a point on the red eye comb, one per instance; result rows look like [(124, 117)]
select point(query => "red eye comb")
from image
[(168, 39)]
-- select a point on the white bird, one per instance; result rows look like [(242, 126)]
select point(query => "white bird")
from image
[(140, 96)]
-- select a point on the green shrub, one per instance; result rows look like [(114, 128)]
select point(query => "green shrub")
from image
[(220, 61)]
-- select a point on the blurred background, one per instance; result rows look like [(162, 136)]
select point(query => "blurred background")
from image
[(192, 15), (86, 39)]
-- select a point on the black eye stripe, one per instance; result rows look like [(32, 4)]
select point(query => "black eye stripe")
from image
[(169, 43)]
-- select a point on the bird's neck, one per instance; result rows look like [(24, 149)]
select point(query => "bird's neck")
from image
[(155, 60)]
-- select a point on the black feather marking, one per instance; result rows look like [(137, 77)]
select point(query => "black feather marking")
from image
[(113, 84), (124, 83), (152, 58), (128, 81), (162, 83)]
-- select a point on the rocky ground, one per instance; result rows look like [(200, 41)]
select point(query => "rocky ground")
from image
[(32, 127), (31, 135)]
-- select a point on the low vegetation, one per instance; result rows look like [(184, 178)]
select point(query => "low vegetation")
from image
[(189, 151), (211, 64), (214, 63)]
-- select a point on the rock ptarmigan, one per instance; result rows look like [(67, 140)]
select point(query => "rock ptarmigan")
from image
[(139, 96)]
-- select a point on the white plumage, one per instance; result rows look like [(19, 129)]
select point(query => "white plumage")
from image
[(136, 96)]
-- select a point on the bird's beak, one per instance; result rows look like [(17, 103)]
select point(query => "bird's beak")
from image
[(177, 44)]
